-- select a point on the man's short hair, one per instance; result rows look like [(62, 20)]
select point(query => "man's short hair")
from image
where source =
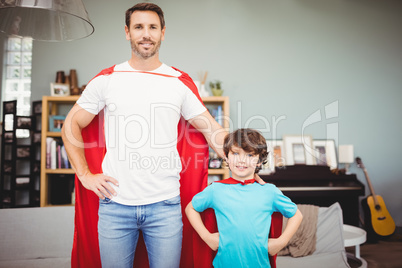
[(145, 7), (250, 140)]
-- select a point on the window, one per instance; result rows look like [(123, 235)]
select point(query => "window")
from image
[(17, 79)]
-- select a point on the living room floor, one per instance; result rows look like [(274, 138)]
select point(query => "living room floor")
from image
[(382, 254)]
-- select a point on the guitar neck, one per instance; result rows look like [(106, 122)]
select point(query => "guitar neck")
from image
[(370, 186)]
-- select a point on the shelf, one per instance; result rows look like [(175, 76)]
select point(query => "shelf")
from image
[(212, 99), (61, 205), (216, 171), (60, 171), (65, 99), (53, 134)]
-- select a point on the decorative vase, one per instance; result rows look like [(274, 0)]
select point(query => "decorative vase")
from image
[(74, 90), (203, 92), (217, 92)]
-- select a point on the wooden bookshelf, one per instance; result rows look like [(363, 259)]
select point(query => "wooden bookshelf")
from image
[(51, 106)]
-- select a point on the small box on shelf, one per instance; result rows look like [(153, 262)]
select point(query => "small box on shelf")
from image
[(60, 188)]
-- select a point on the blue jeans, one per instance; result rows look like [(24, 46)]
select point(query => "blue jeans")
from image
[(161, 225)]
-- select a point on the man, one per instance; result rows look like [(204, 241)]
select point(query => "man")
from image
[(143, 100)]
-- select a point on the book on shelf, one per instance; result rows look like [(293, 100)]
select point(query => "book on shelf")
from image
[(56, 155), (217, 113)]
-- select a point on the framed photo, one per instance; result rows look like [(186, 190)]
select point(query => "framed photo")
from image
[(57, 89), (24, 122), (37, 122), (10, 107), (299, 150), (56, 122), (8, 137), (215, 163), (325, 153), (276, 157), (8, 167), (37, 107), (23, 152), (37, 137)]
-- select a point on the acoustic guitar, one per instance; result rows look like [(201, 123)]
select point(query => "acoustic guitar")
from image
[(376, 216)]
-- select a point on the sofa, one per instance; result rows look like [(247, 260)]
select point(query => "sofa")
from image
[(330, 251), (43, 237), (36, 237)]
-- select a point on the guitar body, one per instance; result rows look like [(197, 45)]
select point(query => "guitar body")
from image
[(377, 220), (381, 220)]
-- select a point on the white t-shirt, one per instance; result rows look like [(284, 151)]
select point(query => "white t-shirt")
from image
[(142, 111)]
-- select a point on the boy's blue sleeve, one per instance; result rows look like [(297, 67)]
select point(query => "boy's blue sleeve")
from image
[(283, 204), (204, 199)]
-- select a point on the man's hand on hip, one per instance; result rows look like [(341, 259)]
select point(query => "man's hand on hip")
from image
[(99, 184)]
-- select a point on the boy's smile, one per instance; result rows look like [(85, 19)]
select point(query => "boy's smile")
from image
[(242, 164)]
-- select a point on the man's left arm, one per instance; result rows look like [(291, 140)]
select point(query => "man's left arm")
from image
[(213, 132)]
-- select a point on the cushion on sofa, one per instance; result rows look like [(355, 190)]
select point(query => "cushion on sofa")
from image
[(329, 229), (36, 234), (38, 263), (330, 251)]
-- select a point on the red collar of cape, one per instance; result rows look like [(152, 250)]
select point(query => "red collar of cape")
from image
[(233, 181)]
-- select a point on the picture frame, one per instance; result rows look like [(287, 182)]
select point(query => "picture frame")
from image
[(56, 122), (299, 150), (8, 137), (215, 163), (8, 167), (37, 137), (325, 153), (58, 89), (37, 123), (275, 158), (37, 107), (10, 107), (24, 152), (24, 122)]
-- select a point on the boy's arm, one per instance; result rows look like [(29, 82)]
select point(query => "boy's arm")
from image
[(276, 244), (212, 240)]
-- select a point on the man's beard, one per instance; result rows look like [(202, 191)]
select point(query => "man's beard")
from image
[(147, 53)]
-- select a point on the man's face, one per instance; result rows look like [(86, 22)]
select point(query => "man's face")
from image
[(145, 33)]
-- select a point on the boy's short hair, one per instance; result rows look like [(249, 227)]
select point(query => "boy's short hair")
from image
[(145, 7), (251, 141)]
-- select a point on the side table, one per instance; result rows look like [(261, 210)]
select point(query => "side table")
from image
[(354, 236)]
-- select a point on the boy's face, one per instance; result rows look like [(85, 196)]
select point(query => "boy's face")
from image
[(242, 164)]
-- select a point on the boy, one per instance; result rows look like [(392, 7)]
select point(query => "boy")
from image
[(243, 208)]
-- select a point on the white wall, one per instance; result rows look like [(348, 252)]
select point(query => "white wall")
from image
[(276, 58)]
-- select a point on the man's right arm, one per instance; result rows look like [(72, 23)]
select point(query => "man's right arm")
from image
[(77, 119)]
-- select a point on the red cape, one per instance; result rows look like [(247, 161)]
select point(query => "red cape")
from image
[(193, 151)]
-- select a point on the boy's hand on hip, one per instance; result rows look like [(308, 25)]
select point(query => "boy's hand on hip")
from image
[(212, 241), (99, 184), (274, 246)]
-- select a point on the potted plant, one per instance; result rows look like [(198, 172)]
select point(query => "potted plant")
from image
[(216, 88)]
